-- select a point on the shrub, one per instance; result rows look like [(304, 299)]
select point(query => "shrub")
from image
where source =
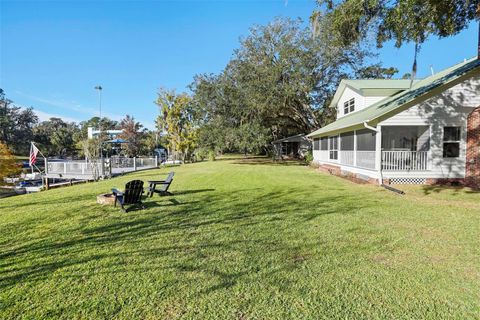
[(8, 164), (309, 157), (211, 155)]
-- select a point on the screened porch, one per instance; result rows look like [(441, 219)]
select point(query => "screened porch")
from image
[(402, 148), (406, 148)]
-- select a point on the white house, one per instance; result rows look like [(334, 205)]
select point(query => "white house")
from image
[(397, 131)]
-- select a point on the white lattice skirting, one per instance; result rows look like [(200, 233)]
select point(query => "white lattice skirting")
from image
[(408, 181)]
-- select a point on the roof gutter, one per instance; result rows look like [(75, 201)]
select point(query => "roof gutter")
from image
[(365, 124)]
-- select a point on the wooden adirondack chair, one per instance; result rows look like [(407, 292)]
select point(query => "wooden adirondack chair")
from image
[(163, 186), (131, 196)]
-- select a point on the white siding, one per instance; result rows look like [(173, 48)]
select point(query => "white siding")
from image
[(449, 108), (361, 102), (348, 94), (369, 100)]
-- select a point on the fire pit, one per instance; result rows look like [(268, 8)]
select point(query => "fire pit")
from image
[(107, 198)]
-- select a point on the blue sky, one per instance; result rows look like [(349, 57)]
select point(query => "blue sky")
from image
[(53, 53)]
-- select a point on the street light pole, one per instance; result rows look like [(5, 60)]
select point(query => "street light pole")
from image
[(99, 89)]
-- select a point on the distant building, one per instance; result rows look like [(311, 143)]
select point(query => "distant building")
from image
[(292, 147), (93, 133)]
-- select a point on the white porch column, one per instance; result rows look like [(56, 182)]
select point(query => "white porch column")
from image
[(354, 148), (378, 148), (339, 150)]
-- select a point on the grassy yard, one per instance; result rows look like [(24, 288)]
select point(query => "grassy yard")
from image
[(242, 239)]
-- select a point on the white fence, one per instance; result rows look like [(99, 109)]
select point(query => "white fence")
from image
[(141, 162), (405, 160), (99, 168), (68, 167)]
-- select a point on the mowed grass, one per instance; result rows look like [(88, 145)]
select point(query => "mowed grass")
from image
[(242, 239)]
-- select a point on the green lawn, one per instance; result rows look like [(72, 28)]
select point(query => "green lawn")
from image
[(242, 239)]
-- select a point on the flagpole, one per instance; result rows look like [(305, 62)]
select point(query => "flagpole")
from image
[(32, 145), (45, 168), (40, 152), (30, 155)]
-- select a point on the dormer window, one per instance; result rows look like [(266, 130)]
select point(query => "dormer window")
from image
[(349, 106)]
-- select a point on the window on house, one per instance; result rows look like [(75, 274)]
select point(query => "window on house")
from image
[(333, 147), (451, 142), (349, 106), (316, 144), (324, 144)]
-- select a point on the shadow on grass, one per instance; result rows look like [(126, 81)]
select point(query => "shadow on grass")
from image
[(270, 162), (209, 213), (239, 157), (430, 189), (182, 192)]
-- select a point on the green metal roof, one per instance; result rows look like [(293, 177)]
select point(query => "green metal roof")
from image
[(394, 103), (361, 84)]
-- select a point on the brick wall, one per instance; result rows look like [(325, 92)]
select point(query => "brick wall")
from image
[(337, 171), (472, 171)]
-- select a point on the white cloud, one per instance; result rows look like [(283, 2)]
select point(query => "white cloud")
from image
[(71, 105), (44, 116)]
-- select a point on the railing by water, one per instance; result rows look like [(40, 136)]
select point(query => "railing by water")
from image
[(100, 167)]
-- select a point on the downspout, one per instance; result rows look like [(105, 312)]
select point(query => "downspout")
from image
[(365, 124)]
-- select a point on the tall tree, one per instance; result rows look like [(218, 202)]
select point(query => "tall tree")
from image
[(16, 125), (353, 21), (56, 137), (176, 120), (398, 20), (132, 133), (281, 79)]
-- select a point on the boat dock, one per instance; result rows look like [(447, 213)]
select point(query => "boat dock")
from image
[(98, 169)]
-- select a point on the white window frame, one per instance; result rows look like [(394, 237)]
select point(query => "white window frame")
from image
[(349, 106), (332, 150), (459, 142)]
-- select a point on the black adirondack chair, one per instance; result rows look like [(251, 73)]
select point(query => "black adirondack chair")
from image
[(163, 186), (131, 196)]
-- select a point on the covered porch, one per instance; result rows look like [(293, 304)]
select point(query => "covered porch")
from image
[(293, 147), (385, 148)]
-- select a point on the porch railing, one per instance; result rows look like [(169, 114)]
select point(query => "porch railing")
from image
[(405, 160), (366, 159), (347, 157)]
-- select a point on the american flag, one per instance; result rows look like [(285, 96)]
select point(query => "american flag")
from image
[(33, 154)]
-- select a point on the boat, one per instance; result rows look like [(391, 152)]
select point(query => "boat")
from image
[(28, 186)]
